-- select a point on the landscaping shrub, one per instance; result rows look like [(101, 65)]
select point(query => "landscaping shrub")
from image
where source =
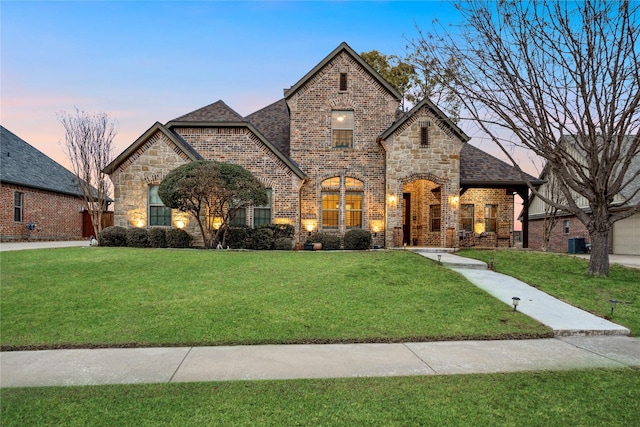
[(178, 238), (284, 244), (357, 239), (263, 238), (329, 241), (237, 237), (137, 238), (157, 238), (113, 236), (280, 230)]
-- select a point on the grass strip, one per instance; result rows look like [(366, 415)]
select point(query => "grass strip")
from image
[(585, 398)]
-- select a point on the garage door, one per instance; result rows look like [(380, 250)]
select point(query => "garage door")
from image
[(626, 236)]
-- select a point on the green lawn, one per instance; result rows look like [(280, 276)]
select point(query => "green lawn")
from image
[(573, 398), (565, 277), (87, 297)]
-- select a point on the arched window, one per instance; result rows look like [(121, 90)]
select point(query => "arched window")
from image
[(342, 203)]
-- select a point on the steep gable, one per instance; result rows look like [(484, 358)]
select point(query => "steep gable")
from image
[(344, 47), (22, 164)]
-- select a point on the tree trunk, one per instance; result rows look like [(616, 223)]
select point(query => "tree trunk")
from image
[(599, 260)]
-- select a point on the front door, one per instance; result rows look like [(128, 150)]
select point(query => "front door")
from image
[(406, 218)]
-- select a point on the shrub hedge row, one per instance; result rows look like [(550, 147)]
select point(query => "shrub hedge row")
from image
[(264, 237)]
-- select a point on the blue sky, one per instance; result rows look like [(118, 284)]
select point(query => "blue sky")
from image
[(149, 61)]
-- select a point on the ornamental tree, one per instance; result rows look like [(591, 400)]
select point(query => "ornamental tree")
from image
[(211, 192)]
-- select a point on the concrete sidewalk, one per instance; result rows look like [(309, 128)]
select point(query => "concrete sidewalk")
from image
[(272, 362), (36, 244)]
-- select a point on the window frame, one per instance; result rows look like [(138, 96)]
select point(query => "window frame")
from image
[(262, 210), (326, 210), (565, 226), (157, 213), (18, 206), (465, 219), (343, 82), (435, 218), (338, 133), (424, 136), (490, 222)]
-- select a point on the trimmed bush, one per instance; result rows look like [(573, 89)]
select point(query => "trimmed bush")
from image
[(237, 237), (357, 239), (284, 244), (263, 238), (113, 236), (137, 238), (178, 238), (329, 242), (157, 238)]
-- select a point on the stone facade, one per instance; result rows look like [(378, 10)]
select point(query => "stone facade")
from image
[(289, 146)]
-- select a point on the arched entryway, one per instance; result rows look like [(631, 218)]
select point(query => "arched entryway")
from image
[(425, 210)]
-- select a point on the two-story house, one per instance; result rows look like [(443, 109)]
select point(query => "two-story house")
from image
[(335, 153)]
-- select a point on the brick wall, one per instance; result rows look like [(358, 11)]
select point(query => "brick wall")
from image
[(311, 139), (57, 216), (559, 241), (479, 197)]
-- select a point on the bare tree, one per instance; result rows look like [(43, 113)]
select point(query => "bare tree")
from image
[(561, 79), (550, 218), (89, 148)]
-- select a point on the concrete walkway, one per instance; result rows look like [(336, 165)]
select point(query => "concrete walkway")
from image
[(270, 362), (582, 341)]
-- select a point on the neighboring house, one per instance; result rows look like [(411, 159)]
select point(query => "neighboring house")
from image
[(39, 198), (625, 237), (335, 153)]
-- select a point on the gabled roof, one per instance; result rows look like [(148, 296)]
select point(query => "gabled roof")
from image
[(22, 164), (478, 168), (273, 122), (344, 47), (216, 112), (435, 110), (220, 114), (157, 126)]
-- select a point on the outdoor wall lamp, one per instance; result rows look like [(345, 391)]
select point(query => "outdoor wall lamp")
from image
[(515, 302), (613, 303), (393, 200)]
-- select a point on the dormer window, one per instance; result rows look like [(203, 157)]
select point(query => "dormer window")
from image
[(343, 81), (342, 128)]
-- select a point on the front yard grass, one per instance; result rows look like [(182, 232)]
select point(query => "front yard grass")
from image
[(565, 277), (94, 297), (570, 398)]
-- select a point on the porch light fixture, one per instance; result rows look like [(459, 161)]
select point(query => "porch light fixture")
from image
[(393, 200), (613, 303), (309, 228), (515, 302)]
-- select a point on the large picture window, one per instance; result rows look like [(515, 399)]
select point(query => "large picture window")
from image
[(262, 214), (490, 217), (342, 203), (342, 128), (159, 214), (466, 218), (18, 206)]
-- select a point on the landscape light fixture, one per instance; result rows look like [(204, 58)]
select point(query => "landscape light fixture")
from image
[(613, 303), (515, 301), (439, 258)]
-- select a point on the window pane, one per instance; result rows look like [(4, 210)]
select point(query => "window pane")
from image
[(331, 182), (490, 215), (159, 214), (18, 200), (330, 210), (352, 182), (239, 218), (262, 214), (353, 210), (434, 213), (466, 218), (342, 128)]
